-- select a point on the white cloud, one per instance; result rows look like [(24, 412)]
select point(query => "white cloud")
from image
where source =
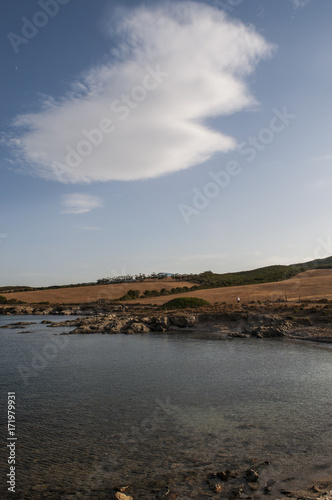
[(79, 203), (203, 57)]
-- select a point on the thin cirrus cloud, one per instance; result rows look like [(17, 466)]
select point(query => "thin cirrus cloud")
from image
[(79, 203), (178, 64), (299, 3)]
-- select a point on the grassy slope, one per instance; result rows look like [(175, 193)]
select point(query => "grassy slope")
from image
[(267, 274), (224, 286), (84, 294), (314, 284)]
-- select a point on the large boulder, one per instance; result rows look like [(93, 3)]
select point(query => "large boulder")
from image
[(183, 321), (160, 324), (268, 332), (136, 328)]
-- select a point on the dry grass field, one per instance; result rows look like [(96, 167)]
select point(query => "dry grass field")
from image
[(84, 294), (315, 284)]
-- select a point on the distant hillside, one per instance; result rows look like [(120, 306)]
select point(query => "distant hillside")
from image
[(142, 286), (268, 274)]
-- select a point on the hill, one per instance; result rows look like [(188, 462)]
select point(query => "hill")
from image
[(93, 293), (310, 285), (268, 274), (293, 281)]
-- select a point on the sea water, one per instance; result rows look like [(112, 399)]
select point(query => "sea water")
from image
[(98, 411)]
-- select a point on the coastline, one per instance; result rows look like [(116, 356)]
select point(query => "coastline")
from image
[(306, 321)]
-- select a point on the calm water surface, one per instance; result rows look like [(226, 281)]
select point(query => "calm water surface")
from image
[(99, 411)]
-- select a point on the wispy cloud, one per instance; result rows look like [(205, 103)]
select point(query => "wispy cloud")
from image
[(175, 66), (300, 3), (79, 203)]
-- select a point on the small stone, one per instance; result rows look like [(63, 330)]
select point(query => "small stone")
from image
[(253, 486), (124, 488), (164, 492), (236, 492), (215, 485), (217, 488), (223, 475), (285, 491), (122, 496), (322, 487), (252, 476)]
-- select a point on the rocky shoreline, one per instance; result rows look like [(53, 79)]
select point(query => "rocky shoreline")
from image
[(311, 322)]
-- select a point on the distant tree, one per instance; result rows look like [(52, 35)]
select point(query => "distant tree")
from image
[(134, 294)]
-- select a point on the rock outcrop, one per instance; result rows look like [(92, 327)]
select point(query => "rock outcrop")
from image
[(120, 323)]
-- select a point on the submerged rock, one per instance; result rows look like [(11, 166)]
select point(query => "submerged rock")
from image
[(215, 485), (252, 476)]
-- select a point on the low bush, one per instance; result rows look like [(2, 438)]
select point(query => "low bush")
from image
[(185, 302)]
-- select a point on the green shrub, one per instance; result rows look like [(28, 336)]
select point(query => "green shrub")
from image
[(130, 295), (3, 299), (151, 293), (185, 302)]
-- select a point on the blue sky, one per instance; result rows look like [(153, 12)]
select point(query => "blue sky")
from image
[(163, 136)]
